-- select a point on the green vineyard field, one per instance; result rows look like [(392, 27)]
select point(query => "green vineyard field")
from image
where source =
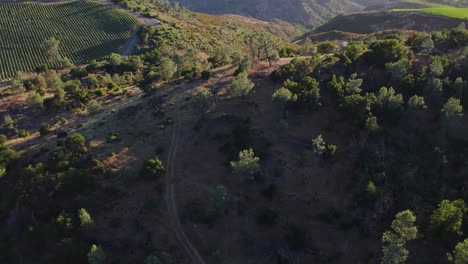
[(86, 30)]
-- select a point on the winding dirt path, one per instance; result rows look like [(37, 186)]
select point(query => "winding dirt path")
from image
[(170, 193)]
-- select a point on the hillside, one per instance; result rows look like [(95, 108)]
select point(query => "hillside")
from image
[(307, 13), (80, 35), (369, 22), (216, 140)]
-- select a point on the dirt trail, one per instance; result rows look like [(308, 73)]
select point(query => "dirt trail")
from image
[(170, 193)]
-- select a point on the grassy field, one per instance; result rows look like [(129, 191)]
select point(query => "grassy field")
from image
[(86, 30), (437, 9)]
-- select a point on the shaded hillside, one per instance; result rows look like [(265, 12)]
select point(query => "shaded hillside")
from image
[(307, 13), (377, 21)]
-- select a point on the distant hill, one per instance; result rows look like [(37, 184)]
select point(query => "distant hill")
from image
[(303, 12), (369, 22)]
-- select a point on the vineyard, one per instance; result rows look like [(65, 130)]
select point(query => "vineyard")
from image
[(86, 30)]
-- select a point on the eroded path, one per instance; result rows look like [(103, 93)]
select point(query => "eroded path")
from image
[(170, 200)]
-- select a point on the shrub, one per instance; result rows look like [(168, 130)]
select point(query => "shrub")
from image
[(241, 85), (113, 136), (326, 47), (247, 165), (93, 106), (85, 218), (76, 143), (96, 255), (23, 133), (460, 254), (448, 217), (152, 168), (452, 108), (3, 139), (206, 75), (35, 100), (45, 129), (203, 102)]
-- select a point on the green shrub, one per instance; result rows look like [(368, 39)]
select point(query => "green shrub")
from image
[(113, 136), (45, 129), (152, 168), (206, 75), (23, 133)]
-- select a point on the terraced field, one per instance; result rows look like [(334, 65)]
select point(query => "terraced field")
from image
[(86, 30)]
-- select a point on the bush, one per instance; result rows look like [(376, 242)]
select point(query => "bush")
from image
[(152, 168), (93, 106), (206, 75), (45, 129), (113, 136), (3, 139), (23, 133), (241, 85), (85, 218), (247, 166), (203, 102), (326, 47), (76, 143), (96, 255)]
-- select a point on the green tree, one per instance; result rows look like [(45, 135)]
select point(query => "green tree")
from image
[(241, 85), (247, 165), (152, 168), (387, 50), (394, 254), (403, 229), (167, 69), (281, 98), (416, 102), (309, 92), (203, 102), (421, 42), (326, 47), (371, 125), (8, 122), (66, 64), (389, 100), (452, 108), (115, 60), (85, 218), (398, 69), (51, 48), (460, 254), (318, 145), (447, 219), (17, 87), (76, 143), (353, 50), (35, 100), (353, 85), (93, 106), (96, 255)]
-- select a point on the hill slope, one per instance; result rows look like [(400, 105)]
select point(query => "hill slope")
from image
[(308, 13), (83, 36)]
